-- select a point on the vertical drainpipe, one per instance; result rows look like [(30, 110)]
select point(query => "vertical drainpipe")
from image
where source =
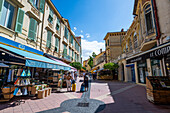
[(157, 27), (42, 28)]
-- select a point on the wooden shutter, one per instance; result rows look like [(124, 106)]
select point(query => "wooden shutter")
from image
[(42, 3), (1, 5), (31, 1), (32, 29), (19, 22)]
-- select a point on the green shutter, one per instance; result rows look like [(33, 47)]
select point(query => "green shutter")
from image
[(19, 22), (49, 35), (72, 39), (31, 1), (32, 29), (1, 5), (42, 3)]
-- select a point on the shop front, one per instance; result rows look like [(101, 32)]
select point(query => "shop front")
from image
[(25, 73), (154, 62)]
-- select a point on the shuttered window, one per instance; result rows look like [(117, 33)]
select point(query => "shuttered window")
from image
[(56, 44), (19, 22), (42, 3), (66, 32), (72, 39), (58, 24), (6, 14), (32, 29), (50, 18), (49, 35), (35, 3), (65, 50)]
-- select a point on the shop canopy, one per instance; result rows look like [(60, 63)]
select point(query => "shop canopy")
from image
[(3, 65), (35, 60), (55, 59)]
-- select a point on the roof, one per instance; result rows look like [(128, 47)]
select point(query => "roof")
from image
[(108, 33)]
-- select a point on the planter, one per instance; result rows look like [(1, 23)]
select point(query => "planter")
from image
[(105, 77), (46, 92), (41, 94)]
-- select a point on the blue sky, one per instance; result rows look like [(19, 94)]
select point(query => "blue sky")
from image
[(92, 19)]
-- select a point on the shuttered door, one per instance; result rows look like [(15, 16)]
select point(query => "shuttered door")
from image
[(32, 29), (19, 22)]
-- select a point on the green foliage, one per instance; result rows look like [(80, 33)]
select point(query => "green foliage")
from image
[(77, 65), (111, 66), (94, 55), (90, 63), (84, 68)]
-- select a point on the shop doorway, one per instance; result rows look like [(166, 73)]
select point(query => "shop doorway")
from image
[(123, 76), (142, 72), (167, 64), (133, 74)]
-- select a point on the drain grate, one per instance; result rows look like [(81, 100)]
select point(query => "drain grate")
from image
[(83, 104)]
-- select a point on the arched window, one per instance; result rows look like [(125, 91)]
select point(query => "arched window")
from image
[(148, 19), (135, 39)]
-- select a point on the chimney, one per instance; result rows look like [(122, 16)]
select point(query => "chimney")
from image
[(100, 50), (122, 30)]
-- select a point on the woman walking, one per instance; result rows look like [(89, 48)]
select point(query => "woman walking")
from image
[(68, 81)]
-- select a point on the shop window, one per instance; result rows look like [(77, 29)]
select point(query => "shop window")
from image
[(148, 19), (32, 29), (56, 44), (156, 69), (50, 17), (135, 39), (6, 14), (49, 35)]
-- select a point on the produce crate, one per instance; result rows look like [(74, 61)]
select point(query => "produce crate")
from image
[(46, 92), (41, 94), (158, 90), (49, 91), (8, 96), (8, 90)]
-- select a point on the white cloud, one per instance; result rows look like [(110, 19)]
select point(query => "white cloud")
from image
[(81, 31), (88, 47), (75, 28), (87, 35), (82, 36)]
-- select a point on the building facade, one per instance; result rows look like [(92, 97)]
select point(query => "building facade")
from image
[(145, 47), (99, 60), (113, 45), (37, 26)]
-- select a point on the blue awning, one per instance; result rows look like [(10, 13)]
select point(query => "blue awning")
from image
[(34, 60)]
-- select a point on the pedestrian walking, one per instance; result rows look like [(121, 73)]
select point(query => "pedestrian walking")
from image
[(86, 82), (68, 81)]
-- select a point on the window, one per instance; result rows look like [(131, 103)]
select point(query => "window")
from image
[(127, 47), (66, 32), (50, 18), (148, 19), (58, 24), (135, 39), (56, 44), (35, 3), (6, 14), (130, 45), (32, 29), (65, 50), (71, 39), (108, 42), (49, 35), (72, 54)]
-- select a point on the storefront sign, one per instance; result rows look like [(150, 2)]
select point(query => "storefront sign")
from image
[(156, 53), (19, 45)]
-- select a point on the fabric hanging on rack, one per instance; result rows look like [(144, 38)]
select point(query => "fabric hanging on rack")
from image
[(9, 76), (28, 73), (16, 81), (23, 74), (19, 72), (19, 92), (12, 76), (15, 91), (22, 82), (24, 91)]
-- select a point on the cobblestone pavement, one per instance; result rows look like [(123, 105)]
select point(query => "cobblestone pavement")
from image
[(112, 96)]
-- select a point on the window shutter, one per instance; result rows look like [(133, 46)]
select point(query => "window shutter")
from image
[(49, 35), (32, 29), (42, 3), (31, 1), (19, 22), (1, 5)]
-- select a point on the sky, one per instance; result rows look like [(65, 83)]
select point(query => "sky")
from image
[(92, 19)]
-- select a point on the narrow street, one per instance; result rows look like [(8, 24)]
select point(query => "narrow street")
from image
[(103, 97)]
